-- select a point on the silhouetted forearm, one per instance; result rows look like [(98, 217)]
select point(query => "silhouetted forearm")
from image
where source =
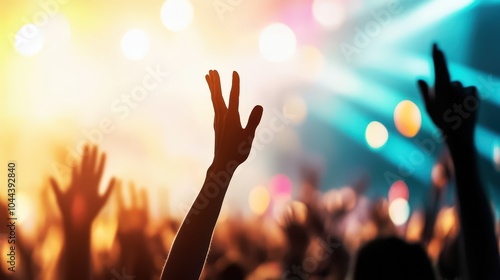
[(476, 218), (190, 247), (76, 254)]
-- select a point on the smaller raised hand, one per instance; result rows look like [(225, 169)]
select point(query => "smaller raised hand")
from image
[(232, 141), (81, 202), (136, 253), (451, 107), (132, 219)]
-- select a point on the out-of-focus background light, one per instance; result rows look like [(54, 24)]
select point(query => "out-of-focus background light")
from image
[(496, 156), (330, 13), (135, 44), (398, 189), (277, 42), (259, 199), (407, 118), (399, 211), (376, 134), (29, 40), (176, 15)]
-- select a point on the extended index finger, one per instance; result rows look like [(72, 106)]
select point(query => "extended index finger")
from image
[(441, 73)]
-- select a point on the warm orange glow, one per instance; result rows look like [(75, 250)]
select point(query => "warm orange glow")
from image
[(415, 227), (439, 175), (407, 118)]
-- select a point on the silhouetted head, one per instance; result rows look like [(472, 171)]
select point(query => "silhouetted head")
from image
[(232, 271), (392, 258)]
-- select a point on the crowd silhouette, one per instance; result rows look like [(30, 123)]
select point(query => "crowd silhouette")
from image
[(312, 239)]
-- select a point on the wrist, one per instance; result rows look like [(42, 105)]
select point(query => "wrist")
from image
[(228, 167), (461, 146), (79, 234), (219, 175)]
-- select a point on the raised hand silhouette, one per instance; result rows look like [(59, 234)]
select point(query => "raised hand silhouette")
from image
[(134, 218), (445, 105), (232, 141), (136, 255), (232, 147), (451, 107), (79, 205)]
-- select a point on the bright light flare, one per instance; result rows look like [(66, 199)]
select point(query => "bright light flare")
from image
[(277, 42), (176, 15), (399, 211), (29, 40), (407, 118), (376, 134), (135, 44), (329, 13)]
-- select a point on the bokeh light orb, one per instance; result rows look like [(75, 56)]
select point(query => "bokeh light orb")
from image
[(135, 44), (296, 108), (399, 211), (259, 200), (29, 40), (277, 42), (398, 189), (281, 186), (407, 118), (329, 13), (376, 134), (496, 157), (176, 15), (438, 175)]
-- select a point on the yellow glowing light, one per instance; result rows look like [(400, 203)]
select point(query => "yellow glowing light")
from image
[(447, 220), (407, 118), (103, 234), (296, 108), (415, 227), (135, 44), (329, 13), (176, 15), (259, 199), (399, 211), (29, 40), (376, 134), (277, 42)]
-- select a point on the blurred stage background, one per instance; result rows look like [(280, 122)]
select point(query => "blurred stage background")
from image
[(337, 80)]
